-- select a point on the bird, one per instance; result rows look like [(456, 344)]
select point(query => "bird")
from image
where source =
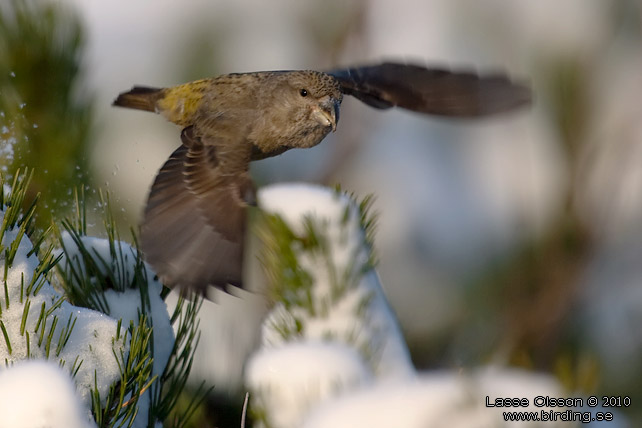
[(194, 224)]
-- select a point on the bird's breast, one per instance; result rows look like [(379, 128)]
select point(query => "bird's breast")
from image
[(275, 136)]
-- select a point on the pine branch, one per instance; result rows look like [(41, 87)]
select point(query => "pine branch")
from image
[(93, 273)]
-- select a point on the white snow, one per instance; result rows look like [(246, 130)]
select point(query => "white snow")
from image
[(38, 394), (126, 305), (289, 380), (293, 201), (92, 340), (437, 399)]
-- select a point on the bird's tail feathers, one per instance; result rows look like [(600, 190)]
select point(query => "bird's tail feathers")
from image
[(140, 98)]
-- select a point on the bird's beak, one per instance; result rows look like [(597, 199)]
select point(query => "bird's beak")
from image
[(327, 113)]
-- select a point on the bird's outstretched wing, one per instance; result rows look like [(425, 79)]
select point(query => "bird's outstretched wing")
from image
[(194, 226), (433, 91)]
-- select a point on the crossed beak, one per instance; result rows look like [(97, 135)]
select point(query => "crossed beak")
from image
[(327, 113)]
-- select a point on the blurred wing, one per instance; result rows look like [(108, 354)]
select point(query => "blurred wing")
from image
[(194, 226), (432, 91)]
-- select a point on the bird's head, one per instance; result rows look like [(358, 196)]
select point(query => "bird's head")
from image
[(309, 103)]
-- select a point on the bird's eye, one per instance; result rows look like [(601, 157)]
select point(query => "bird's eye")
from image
[(303, 92)]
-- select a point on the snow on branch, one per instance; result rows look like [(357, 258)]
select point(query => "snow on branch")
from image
[(330, 328), (101, 318)]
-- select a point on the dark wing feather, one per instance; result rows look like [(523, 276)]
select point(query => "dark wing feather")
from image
[(431, 90), (194, 226)]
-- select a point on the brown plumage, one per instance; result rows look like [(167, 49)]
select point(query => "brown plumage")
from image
[(194, 224)]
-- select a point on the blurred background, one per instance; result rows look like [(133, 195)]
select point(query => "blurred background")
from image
[(515, 240)]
